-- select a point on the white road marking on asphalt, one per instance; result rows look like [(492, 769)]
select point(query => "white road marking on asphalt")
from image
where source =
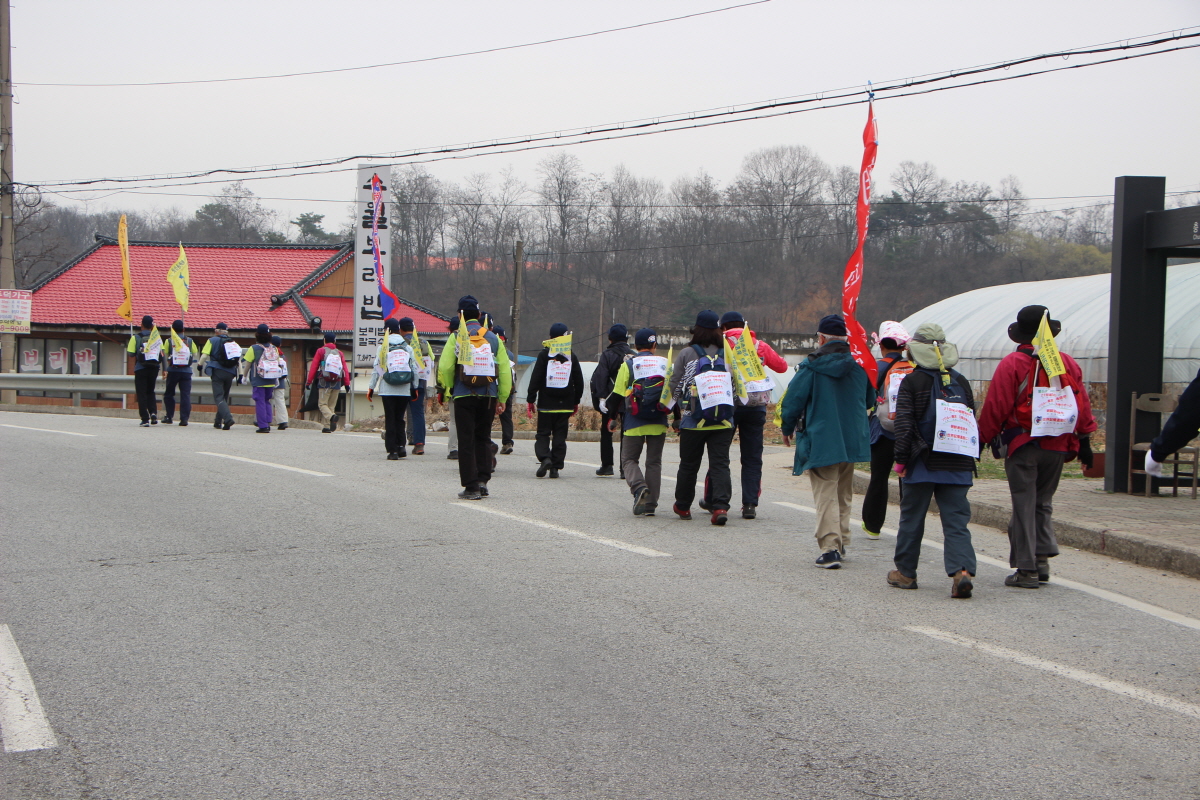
[(22, 720), (617, 543), (44, 430), (267, 464), (1062, 670), (1094, 591)]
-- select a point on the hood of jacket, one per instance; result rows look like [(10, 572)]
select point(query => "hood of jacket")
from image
[(832, 359)]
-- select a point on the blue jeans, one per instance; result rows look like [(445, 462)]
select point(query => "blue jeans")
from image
[(416, 417), (182, 380), (748, 422), (956, 513)]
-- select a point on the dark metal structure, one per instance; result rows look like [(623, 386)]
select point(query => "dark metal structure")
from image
[(1144, 237)]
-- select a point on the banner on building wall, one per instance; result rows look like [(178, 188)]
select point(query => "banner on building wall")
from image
[(16, 307), (852, 283), (371, 226)]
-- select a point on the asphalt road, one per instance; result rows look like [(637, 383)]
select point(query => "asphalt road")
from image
[(208, 628)]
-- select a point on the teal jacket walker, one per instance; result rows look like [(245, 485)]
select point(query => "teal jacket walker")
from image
[(826, 405)]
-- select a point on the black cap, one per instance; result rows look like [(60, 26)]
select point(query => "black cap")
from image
[(221, 326), (832, 325), (707, 319), (392, 325), (618, 333), (277, 341), (644, 338), (1029, 319), (558, 329), (407, 324), (498, 330), (469, 306), (732, 319), (177, 326), (330, 337), (147, 321)]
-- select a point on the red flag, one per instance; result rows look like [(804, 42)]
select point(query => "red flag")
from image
[(852, 283)]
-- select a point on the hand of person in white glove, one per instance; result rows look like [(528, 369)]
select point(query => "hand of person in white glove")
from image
[(603, 407), (1153, 468)]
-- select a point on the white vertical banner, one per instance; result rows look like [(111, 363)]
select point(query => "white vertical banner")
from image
[(368, 316)]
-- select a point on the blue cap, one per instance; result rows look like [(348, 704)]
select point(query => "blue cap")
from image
[(558, 329), (644, 338), (832, 325), (707, 319), (392, 325), (732, 319), (278, 342), (407, 324), (498, 330), (469, 306), (618, 333)]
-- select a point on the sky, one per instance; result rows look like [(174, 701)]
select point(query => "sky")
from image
[(1064, 134)]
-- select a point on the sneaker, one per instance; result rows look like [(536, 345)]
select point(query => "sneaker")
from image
[(144, 425), (604, 472), (507, 449), (323, 430), (703, 504), (543, 468), (333, 421), (962, 586), (217, 424), (393, 457), (401, 453), (280, 427), (749, 512), (184, 425), (452, 455), (640, 499), (153, 420), (228, 424), (554, 472), (830, 560), (418, 449), (1022, 579), (897, 578), (166, 421), (870, 533), (263, 430), (483, 492), (650, 512), (1043, 565), (469, 494), (682, 513), (719, 516)]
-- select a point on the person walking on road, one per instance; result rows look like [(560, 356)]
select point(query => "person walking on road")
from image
[(555, 389), (704, 385), (1181, 427), (506, 413), (332, 374), (603, 379), (146, 348), (637, 397), (219, 360), (936, 446), (395, 374), (1037, 428), (446, 398), (279, 397), (416, 405), (179, 362), (826, 408), (478, 388), (750, 415), (260, 363), (891, 368)]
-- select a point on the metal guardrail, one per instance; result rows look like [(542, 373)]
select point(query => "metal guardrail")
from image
[(93, 384)]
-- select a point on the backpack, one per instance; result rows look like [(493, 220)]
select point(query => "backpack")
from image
[(645, 396), (397, 377), (705, 364), (216, 352), (885, 408), (331, 377), (476, 381), (267, 367), (954, 393)]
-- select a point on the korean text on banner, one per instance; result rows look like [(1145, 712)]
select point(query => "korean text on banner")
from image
[(125, 310), (746, 355), (180, 280), (956, 431), (370, 218), (852, 283), (16, 307), (559, 345), (180, 354), (1047, 349), (714, 388), (738, 385), (1054, 411)]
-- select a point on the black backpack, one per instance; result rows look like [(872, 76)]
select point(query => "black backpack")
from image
[(722, 412), (645, 396), (954, 393), (217, 352)]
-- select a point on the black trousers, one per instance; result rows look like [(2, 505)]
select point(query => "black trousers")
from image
[(506, 422), (143, 381), (748, 424), (551, 441), (875, 502), (692, 443), (182, 381), (606, 440), (473, 418), (394, 408)]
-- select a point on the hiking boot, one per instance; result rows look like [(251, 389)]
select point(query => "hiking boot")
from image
[(483, 492), (703, 504), (1023, 579), (650, 511), (418, 449), (896, 578), (640, 499), (280, 427), (543, 468), (228, 424), (323, 430), (605, 471), (217, 424), (333, 421), (452, 455), (166, 421), (184, 424), (393, 457), (719, 516), (153, 419), (749, 512), (962, 585), (1043, 565), (263, 430), (554, 472), (682, 513), (469, 494), (830, 560), (401, 453), (870, 533), (507, 449)]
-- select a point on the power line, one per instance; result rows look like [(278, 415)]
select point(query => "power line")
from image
[(650, 126), (410, 61)]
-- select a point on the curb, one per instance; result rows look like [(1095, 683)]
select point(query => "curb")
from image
[(1123, 545)]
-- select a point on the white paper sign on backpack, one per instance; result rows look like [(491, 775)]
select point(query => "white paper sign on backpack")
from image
[(649, 367), (397, 361), (482, 361), (1054, 410), (955, 430), (714, 389), (233, 350), (333, 362), (558, 374)]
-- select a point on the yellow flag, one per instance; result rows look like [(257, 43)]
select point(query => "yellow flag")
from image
[(739, 386), (416, 346), (126, 308), (745, 355), (464, 341), (670, 367), (177, 342), (1047, 349), (153, 341), (179, 279), (559, 345)]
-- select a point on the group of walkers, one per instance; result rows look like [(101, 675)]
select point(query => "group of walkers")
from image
[(919, 421)]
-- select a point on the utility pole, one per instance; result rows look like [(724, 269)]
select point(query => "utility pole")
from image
[(8, 265), (601, 340), (518, 281)]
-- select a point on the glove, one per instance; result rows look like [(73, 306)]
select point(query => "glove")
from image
[(1153, 468), (603, 407), (576, 411), (1085, 452), (529, 409), (370, 394)]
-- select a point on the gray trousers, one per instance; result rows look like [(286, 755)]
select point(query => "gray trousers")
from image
[(631, 454), (222, 385), (1033, 475), (955, 510), (452, 427)]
